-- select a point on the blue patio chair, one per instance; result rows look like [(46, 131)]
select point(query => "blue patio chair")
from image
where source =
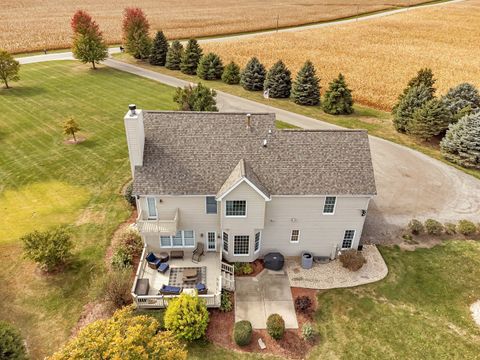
[(153, 261), (201, 288), (170, 290)]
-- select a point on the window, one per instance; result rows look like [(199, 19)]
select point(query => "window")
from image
[(183, 238), (211, 240), (152, 208), (295, 236), (329, 206), (211, 205), (258, 236), (240, 244), (348, 239), (225, 242), (236, 208)]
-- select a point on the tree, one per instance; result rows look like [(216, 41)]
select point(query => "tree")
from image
[(338, 98), (125, 335), (174, 56), (135, 33), (49, 249), (187, 317), (253, 76), (70, 127), (231, 74), (198, 98), (429, 120), (82, 22), (278, 81), (210, 67), (9, 68), (191, 57), (158, 55), (461, 143), (462, 100), (414, 99), (306, 88), (11, 343)]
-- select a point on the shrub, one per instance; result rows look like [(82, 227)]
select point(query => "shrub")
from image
[(466, 227), (128, 195), (187, 317), (11, 343), (158, 56), (275, 326), (190, 57), (450, 228), (415, 226), (117, 286), (210, 67), (242, 332), (158, 315), (253, 75), (231, 74), (198, 98), (132, 242), (242, 268), (303, 304), (414, 99), (352, 259), (135, 29), (338, 98), (126, 335), (121, 259), (462, 100), (278, 81), (306, 88), (49, 249), (433, 227), (226, 301), (308, 332), (429, 120), (174, 56)]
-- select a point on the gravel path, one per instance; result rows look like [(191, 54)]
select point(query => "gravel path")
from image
[(475, 309), (334, 275)]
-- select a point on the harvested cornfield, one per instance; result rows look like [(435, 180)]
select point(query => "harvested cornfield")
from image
[(29, 25), (377, 56)]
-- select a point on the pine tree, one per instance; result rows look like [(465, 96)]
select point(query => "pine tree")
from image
[(174, 56), (414, 99), (158, 55), (462, 100), (306, 88), (253, 75), (210, 67), (231, 74), (135, 33), (430, 120), (338, 98), (461, 143), (198, 98), (278, 81), (191, 57)]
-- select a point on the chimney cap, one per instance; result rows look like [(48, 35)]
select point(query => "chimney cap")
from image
[(132, 108)]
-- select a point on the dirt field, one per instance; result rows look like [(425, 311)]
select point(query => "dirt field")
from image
[(29, 25), (377, 56)]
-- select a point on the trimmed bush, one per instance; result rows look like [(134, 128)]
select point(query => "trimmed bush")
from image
[(450, 228), (303, 304), (191, 57), (210, 67), (242, 268), (226, 301), (352, 259), (253, 76), (338, 98), (128, 195), (242, 333), (174, 56), (306, 88), (187, 317), (416, 227), (11, 343), (308, 332), (117, 286), (231, 74), (275, 326), (433, 227), (158, 56), (278, 81), (466, 227)]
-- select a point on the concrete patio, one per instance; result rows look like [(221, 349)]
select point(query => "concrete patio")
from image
[(258, 297)]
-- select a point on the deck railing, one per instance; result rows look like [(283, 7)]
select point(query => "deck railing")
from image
[(161, 226)]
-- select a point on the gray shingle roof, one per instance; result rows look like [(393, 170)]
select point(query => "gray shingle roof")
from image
[(189, 153)]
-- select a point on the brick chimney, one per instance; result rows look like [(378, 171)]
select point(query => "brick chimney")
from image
[(135, 136)]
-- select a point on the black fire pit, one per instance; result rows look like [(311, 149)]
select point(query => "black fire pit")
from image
[(274, 261)]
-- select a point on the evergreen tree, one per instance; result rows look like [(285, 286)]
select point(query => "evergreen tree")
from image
[(158, 55), (191, 57), (210, 67), (12, 346), (278, 81), (231, 74), (253, 75), (461, 143), (198, 98), (174, 56), (462, 100), (135, 33), (306, 88), (414, 99), (430, 120), (9, 68), (338, 98)]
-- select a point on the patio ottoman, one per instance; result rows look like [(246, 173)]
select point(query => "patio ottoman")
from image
[(176, 254), (163, 268)]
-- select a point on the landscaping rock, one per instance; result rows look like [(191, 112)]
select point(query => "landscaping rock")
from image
[(261, 344)]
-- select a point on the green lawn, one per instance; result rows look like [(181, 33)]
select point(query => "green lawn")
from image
[(44, 182)]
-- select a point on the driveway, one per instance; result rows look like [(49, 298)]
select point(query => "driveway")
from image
[(258, 297)]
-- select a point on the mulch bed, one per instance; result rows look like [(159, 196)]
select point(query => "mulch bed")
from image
[(257, 266), (79, 140)]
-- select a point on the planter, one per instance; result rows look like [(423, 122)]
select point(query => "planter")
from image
[(307, 260)]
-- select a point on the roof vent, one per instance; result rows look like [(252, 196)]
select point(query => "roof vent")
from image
[(249, 121), (269, 131), (265, 143), (132, 108)]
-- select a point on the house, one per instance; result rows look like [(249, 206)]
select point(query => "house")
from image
[(242, 188)]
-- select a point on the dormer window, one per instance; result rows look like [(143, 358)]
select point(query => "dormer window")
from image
[(236, 208)]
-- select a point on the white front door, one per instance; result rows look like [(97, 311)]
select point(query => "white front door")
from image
[(211, 241)]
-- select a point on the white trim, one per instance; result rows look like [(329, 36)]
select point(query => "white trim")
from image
[(236, 216), (248, 254), (291, 233), (148, 208), (259, 241), (183, 246), (215, 240), (322, 196), (334, 205), (353, 239), (249, 183)]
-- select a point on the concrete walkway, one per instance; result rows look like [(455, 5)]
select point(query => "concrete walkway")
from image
[(258, 297)]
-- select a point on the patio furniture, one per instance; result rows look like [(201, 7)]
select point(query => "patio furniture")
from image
[(153, 261), (201, 288), (170, 290), (176, 254), (198, 252), (274, 261), (142, 287), (190, 275), (163, 268), (164, 257)]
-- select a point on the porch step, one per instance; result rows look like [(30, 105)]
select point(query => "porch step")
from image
[(229, 284)]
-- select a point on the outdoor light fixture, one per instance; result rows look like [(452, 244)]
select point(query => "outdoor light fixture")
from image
[(364, 212)]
